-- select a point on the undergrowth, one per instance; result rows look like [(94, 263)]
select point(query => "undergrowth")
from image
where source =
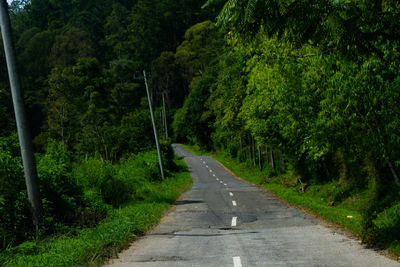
[(92, 246)]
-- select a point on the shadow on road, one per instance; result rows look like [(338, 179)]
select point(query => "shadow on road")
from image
[(185, 202)]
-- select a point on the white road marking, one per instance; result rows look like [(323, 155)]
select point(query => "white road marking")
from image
[(231, 194), (221, 182), (237, 262), (213, 174), (234, 221), (217, 179), (206, 166), (233, 202), (204, 162), (210, 170), (225, 184)]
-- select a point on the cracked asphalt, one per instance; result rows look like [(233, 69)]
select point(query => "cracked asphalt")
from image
[(224, 221)]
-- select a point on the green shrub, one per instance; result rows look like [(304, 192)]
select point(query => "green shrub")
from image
[(168, 156), (62, 197), (100, 175), (73, 195), (131, 137), (232, 150), (15, 224), (95, 209)]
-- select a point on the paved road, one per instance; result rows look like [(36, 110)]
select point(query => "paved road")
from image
[(224, 221)]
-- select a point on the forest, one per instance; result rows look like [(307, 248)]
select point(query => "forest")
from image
[(306, 91), (81, 68)]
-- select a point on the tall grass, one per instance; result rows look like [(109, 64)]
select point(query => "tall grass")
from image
[(150, 198)]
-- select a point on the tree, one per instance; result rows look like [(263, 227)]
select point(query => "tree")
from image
[(199, 50), (188, 124), (166, 80), (116, 29), (348, 26), (72, 44)]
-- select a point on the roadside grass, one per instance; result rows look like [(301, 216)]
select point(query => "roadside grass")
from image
[(93, 246)]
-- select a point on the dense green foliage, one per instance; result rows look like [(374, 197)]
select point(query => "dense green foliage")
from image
[(80, 64), (74, 195), (92, 246), (309, 89), (306, 89)]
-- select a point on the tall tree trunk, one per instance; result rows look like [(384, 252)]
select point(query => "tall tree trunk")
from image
[(395, 176), (282, 161), (250, 153), (259, 158), (272, 159), (241, 149), (253, 150)]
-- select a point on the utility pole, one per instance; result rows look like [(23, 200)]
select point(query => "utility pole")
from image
[(154, 126), (165, 117), (28, 158)]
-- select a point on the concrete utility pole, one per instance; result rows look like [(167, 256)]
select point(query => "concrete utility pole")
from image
[(165, 117), (28, 159), (154, 126)]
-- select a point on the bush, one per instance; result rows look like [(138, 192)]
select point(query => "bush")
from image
[(73, 195), (168, 156), (15, 224), (64, 202), (61, 196), (100, 176), (116, 184), (232, 150), (131, 133)]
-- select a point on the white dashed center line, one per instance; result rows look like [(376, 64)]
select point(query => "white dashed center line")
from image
[(231, 194), (237, 262), (210, 170), (234, 221), (217, 179), (225, 184), (213, 174), (233, 202), (206, 166)]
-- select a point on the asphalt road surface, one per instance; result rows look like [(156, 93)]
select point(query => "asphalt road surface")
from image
[(224, 221)]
